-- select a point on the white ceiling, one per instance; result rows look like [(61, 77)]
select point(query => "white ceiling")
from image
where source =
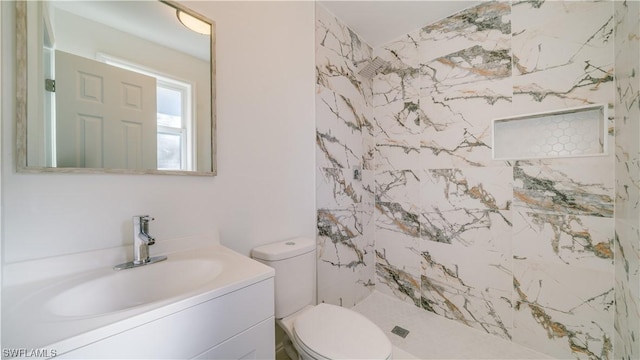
[(150, 20), (378, 22)]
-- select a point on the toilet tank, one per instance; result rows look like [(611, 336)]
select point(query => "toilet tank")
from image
[(295, 264)]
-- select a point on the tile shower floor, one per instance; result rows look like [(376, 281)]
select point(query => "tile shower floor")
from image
[(434, 337)]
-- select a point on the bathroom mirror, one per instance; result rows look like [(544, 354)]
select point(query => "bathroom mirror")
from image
[(115, 87)]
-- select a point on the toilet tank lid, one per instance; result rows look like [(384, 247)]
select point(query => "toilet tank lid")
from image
[(283, 249)]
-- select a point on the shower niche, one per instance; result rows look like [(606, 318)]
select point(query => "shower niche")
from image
[(571, 132)]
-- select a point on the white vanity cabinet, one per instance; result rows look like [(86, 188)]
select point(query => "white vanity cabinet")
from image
[(237, 325), (205, 301)]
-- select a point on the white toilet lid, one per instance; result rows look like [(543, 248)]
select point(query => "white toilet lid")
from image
[(334, 332)]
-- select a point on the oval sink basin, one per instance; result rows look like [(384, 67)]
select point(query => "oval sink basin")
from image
[(121, 290)]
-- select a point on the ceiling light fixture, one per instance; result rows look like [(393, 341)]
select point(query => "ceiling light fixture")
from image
[(193, 23)]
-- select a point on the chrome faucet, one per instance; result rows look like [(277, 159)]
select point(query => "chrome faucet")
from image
[(141, 239), (141, 242)]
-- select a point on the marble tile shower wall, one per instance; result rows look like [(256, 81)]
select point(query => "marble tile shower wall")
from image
[(627, 212), (345, 145), (522, 249)]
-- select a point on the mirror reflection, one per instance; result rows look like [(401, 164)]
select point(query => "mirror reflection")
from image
[(119, 85)]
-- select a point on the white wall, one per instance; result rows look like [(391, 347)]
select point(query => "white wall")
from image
[(266, 133)]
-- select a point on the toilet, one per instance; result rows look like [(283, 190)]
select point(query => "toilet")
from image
[(322, 331)]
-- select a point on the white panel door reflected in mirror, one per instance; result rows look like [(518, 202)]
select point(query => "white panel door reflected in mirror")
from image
[(105, 116)]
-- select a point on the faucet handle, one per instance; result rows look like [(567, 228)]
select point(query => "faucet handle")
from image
[(144, 223), (145, 218), (144, 228)]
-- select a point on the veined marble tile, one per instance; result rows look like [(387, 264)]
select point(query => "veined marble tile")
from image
[(475, 292), (398, 218), (628, 173), (341, 81), (403, 52), (585, 162), (554, 33), (350, 112), (344, 113), (480, 69), (562, 311), (367, 275), (341, 227), (627, 40), (368, 152), (469, 65), (469, 188), (627, 320), (368, 221), (627, 125), (487, 24), (402, 117), (394, 86), (345, 143), (368, 140), (339, 51), (562, 53), (344, 287), (398, 228), (368, 186), (474, 309), (347, 270), (627, 275), (458, 123), (488, 230), (628, 255), (333, 34), (397, 280), (581, 241), (480, 269), (627, 94), (437, 117), (345, 256), (457, 146), (336, 188), (444, 83), (338, 131), (399, 79), (397, 153), (571, 91), (398, 251), (400, 186), (566, 190)]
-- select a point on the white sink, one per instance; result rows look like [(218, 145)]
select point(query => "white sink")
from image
[(124, 289), (67, 302)]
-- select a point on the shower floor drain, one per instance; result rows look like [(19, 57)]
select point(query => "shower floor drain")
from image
[(402, 332)]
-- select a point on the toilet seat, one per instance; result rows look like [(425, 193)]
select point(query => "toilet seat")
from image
[(333, 332), (303, 349)]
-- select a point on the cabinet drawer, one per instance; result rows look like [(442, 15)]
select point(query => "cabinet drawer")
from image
[(257, 342), (190, 332)]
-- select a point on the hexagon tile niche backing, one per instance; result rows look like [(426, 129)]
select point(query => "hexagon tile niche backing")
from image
[(563, 133)]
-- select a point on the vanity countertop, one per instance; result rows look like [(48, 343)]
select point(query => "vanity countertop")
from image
[(28, 321)]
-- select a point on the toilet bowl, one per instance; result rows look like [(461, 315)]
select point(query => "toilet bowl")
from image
[(331, 332), (323, 331)]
